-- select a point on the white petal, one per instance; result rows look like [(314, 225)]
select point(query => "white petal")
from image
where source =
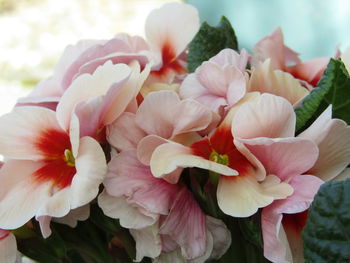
[(24, 197), (170, 156), (148, 243), (21, 128), (130, 216), (91, 168), (172, 25)]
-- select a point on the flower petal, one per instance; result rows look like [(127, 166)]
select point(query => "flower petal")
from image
[(129, 216), (163, 114), (129, 178), (148, 243), (267, 80), (170, 156), (221, 236), (186, 225), (165, 30), (21, 129), (8, 247), (124, 133), (276, 246), (284, 157), (333, 140), (269, 116), (91, 168), (22, 196), (242, 195), (89, 86)]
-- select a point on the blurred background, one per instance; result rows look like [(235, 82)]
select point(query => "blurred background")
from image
[(34, 33)]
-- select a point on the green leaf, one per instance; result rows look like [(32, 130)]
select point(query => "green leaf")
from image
[(333, 88), (327, 233), (209, 41)]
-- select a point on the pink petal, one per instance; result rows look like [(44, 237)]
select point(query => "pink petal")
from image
[(163, 114), (165, 29), (216, 78), (269, 116), (124, 133), (277, 248), (89, 86), (8, 247), (310, 71), (186, 225), (21, 129), (93, 52), (333, 140), (191, 87), (230, 57), (146, 147), (284, 157), (129, 215), (130, 178), (272, 46)]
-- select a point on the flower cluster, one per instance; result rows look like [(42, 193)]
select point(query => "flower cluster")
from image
[(173, 155)]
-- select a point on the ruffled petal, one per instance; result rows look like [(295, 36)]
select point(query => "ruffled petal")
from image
[(129, 178), (124, 134), (242, 196), (89, 86), (332, 137), (129, 216), (284, 157), (277, 246), (269, 116), (186, 225)]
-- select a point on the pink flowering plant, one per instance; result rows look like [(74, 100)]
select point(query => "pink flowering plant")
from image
[(179, 147)]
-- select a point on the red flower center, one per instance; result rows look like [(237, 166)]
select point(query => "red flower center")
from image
[(220, 148), (170, 62), (59, 162)]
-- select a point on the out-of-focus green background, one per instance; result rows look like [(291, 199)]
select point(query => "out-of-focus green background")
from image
[(34, 33)]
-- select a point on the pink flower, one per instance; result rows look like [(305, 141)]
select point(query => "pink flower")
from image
[(162, 116), (218, 83), (167, 40), (48, 172), (163, 217), (283, 221), (254, 152), (283, 58), (8, 247), (284, 242)]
